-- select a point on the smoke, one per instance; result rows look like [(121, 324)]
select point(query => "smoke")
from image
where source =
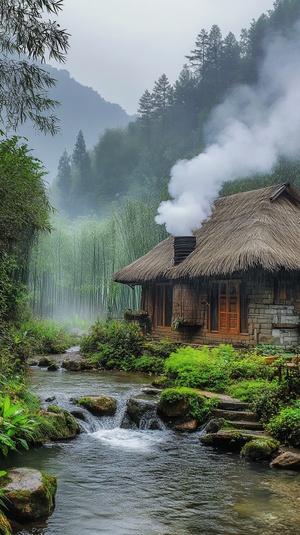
[(247, 134)]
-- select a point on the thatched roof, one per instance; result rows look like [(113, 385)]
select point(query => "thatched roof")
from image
[(259, 228)]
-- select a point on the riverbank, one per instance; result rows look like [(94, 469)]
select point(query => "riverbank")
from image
[(126, 481)]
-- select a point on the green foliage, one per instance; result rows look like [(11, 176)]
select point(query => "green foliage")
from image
[(213, 369), (285, 425), (153, 356), (198, 406), (113, 344), (26, 39), (45, 336), (24, 212), (14, 424), (250, 390)]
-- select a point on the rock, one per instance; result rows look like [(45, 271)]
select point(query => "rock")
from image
[(288, 460), (53, 367), (76, 365), (99, 405), (127, 423), (77, 413), (151, 391), (28, 494), (214, 425), (44, 362), (173, 410), (51, 398), (5, 527), (138, 407), (259, 449), (229, 439), (189, 426), (64, 425)]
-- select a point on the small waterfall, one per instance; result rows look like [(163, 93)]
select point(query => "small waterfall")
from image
[(150, 421)]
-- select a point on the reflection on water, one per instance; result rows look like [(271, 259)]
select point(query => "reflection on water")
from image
[(116, 481)]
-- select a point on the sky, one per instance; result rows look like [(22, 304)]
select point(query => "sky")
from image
[(121, 47)]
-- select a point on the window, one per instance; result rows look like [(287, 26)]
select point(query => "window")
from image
[(228, 308), (163, 305)]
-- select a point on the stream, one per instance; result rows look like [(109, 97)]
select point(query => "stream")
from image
[(117, 481)]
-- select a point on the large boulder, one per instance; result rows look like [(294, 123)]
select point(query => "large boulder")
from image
[(99, 405), (62, 424), (28, 494), (288, 460)]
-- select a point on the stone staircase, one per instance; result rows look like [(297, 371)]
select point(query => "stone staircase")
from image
[(237, 413)]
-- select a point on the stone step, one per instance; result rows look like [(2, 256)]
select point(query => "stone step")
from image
[(233, 405), (234, 415), (231, 439), (242, 424)]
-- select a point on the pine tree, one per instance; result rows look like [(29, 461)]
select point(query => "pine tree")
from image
[(83, 168), (146, 111), (64, 177)]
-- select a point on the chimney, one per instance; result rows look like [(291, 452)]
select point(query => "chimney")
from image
[(183, 246)]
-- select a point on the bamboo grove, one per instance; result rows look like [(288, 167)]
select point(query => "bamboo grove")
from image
[(71, 268)]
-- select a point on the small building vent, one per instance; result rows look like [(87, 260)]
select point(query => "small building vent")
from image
[(183, 246)]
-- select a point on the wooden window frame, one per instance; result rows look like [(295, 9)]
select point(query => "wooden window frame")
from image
[(158, 304)]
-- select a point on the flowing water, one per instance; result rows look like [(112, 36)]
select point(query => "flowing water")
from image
[(117, 481)]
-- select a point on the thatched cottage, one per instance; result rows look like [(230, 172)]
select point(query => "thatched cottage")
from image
[(236, 280)]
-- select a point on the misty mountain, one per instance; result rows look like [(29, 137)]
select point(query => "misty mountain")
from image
[(81, 108)]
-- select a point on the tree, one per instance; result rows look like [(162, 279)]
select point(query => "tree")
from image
[(82, 163), (146, 111), (64, 177), (162, 93), (26, 37), (198, 57), (24, 212)]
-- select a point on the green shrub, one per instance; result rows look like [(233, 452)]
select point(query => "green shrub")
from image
[(113, 344), (196, 368), (45, 336), (214, 369), (14, 425), (249, 390), (285, 426)]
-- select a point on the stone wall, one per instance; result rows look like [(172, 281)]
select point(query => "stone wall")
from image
[(269, 322)]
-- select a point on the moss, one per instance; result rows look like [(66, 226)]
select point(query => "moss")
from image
[(183, 402), (50, 487), (259, 449), (99, 405)]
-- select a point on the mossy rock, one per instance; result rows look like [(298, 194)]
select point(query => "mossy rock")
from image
[(28, 494), (259, 449), (62, 424), (76, 365), (99, 405), (5, 527), (44, 362)]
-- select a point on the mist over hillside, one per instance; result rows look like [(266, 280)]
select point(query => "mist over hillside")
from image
[(81, 108)]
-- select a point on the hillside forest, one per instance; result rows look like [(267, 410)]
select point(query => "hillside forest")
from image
[(106, 198)]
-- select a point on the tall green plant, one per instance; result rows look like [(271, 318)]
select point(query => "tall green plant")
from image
[(15, 424)]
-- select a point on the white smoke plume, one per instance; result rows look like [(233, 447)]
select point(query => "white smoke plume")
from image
[(248, 132)]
